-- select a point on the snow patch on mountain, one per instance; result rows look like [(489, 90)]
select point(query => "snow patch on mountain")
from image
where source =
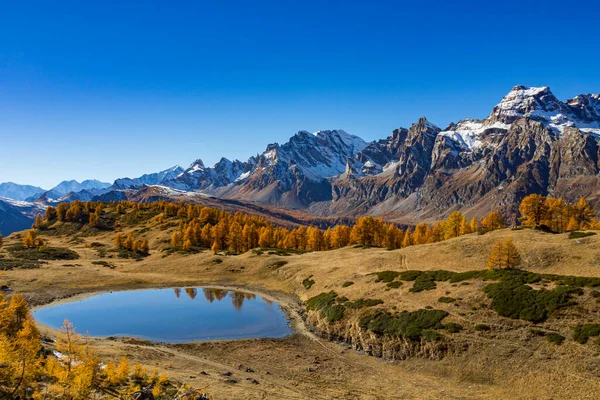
[(536, 103)]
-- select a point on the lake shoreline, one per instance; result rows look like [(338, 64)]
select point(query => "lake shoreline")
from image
[(292, 310)]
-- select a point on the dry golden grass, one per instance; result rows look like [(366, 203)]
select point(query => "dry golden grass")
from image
[(507, 361)]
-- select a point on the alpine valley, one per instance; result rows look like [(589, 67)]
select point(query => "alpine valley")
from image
[(531, 142)]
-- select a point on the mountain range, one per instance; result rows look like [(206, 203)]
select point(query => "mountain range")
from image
[(531, 142)]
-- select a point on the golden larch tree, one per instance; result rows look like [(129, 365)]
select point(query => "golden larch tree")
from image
[(533, 209)]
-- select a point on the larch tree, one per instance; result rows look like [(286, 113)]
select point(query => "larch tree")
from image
[(474, 225), (494, 220), (453, 224), (583, 213), (504, 255), (534, 210)]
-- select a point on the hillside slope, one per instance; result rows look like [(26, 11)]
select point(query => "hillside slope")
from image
[(519, 361)]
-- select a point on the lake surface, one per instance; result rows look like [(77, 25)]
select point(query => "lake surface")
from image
[(171, 315)]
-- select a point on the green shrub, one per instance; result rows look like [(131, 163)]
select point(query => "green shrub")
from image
[(579, 235), (555, 338), (595, 294), (463, 276), (453, 327), (482, 327), (410, 275), (386, 276), (6, 264), (342, 299), (423, 282), (325, 303), (394, 284), (321, 301), (408, 325), (444, 299), (346, 284), (430, 336), (582, 333), (361, 303), (513, 299), (308, 282), (333, 313), (41, 253)]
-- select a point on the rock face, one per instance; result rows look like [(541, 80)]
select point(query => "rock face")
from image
[(530, 143), (294, 174)]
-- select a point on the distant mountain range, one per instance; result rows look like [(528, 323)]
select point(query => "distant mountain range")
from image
[(530, 143)]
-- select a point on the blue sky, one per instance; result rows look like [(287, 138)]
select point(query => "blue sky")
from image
[(111, 89)]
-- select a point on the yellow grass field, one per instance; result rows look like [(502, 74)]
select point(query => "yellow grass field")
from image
[(506, 362)]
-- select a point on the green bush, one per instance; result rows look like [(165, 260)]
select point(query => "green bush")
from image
[(394, 284), (555, 338), (333, 313), (516, 300), (410, 275), (308, 282), (463, 276), (41, 253), (444, 299), (423, 282), (325, 303), (346, 284), (362, 303), (430, 336), (6, 264), (595, 294), (321, 301), (582, 333), (453, 327), (386, 276), (408, 325), (482, 327), (579, 235)]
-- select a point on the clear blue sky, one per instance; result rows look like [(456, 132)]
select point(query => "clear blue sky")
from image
[(110, 89)]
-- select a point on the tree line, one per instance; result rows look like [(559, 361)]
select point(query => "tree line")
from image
[(207, 227)]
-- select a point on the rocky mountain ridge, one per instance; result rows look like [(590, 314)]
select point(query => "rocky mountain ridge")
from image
[(530, 142)]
